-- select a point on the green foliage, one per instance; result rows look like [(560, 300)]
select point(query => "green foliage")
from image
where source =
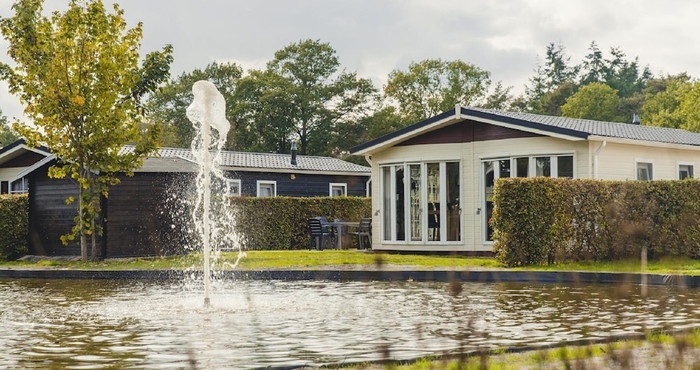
[(168, 105), (78, 74), (544, 220), (302, 94), (279, 223), (14, 226), (596, 101), (433, 86), (7, 135)]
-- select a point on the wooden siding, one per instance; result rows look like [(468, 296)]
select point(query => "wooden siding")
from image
[(617, 161), (303, 185), (24, 160), (145, 215), (465, 132), (50, 216)]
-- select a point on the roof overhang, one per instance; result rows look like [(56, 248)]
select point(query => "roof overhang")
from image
[(460, 114), (18, 150), (296, 171), (654, 144), (36, 166)]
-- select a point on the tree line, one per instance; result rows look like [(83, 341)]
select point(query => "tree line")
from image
[(303, 94)]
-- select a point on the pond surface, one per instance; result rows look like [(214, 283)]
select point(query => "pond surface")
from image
[(92, 324)]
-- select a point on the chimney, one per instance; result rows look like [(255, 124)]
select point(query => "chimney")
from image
[(635, 119), (294, 153)]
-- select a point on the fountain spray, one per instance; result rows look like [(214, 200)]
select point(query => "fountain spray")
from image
[(208, 110)]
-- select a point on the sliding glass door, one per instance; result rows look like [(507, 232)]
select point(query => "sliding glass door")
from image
[(431, 208)]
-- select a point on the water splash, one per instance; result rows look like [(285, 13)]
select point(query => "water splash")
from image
[(207, 111)]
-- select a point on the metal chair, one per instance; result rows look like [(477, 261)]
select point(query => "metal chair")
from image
[(319, 233), (364, 230)]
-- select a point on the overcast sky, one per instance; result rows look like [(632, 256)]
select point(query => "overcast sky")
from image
[(374, 37)]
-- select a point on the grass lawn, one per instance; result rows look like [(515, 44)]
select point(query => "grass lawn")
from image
[(304, 259)]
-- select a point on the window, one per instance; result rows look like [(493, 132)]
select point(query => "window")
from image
[(338, 189), (685, 171), (494, 169), (267, 188), (644, 171), (19, 186), (233, 188), (421, 202)]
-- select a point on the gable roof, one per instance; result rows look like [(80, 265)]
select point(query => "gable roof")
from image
[(262, 162), (562, 127), (19, 147)]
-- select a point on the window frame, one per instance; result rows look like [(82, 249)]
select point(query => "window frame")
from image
[(691, 166), (342, 185), (24, 184), (258, 183), (643, 161), (228, 187)]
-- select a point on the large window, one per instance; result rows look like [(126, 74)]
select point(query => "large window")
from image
[(541, 165), (267, 188), (685, 171), (420, 202)]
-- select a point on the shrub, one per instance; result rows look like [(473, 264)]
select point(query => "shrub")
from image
[(279, 223), (13, 226), (544, 220)]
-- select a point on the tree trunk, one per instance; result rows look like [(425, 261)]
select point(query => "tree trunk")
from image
[(81, 216), (94, 238)]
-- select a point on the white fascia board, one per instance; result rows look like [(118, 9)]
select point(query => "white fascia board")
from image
[(522, 128), (654, 144), (36, 165)]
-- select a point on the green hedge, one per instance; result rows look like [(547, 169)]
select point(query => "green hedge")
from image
[(279, 223), (544, 220), (13, 226)]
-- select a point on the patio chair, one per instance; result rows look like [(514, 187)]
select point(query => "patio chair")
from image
[(319, 233), (364, 231)]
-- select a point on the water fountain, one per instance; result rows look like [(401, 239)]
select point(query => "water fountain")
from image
[(207, 111)]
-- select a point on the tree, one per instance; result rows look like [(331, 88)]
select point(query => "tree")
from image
[(78, 74), (663, 100), (168, 104), (500, 98), (7, 135), (302, 94), (596, 101), (552, 83), (433, 86)]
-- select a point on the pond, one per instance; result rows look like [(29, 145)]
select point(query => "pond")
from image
[(92, 324)]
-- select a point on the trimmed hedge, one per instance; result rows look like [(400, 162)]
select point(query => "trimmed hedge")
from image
[(14, 226), (279, 223), (545, 220)]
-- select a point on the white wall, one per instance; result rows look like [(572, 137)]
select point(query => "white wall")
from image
[(471, 156), (617, 161)]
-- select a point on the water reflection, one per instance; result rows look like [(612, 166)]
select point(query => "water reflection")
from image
[(100, 324)]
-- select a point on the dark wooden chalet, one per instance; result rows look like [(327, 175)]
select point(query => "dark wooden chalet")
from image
[(144, 214)]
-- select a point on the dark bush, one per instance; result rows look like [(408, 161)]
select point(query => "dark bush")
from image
[(13, 226)]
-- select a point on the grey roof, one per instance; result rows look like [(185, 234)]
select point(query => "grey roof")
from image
[(574, 127), (600, 128), (261, 161)]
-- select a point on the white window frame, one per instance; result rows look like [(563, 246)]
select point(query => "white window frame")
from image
[(424, 191), (637, 162), (342, 185), (24, 184), (554, 173), (266, 182), (678, 168), (237, 183)]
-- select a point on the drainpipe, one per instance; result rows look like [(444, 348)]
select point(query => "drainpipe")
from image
[(595, 158), (368, 158)]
